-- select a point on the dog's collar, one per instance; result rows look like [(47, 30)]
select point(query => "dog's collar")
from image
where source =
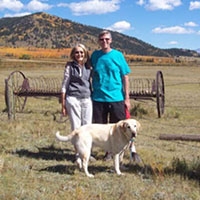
[(132, 139), (128, 139)]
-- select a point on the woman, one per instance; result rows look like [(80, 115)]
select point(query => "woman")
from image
[(76, 88)]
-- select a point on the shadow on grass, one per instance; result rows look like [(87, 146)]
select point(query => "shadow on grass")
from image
[(180, 167), (190, 171), (61, 169), (66, 169), (47, 153), (53, 153)]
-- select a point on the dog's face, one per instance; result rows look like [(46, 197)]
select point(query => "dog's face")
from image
[(130, 127)]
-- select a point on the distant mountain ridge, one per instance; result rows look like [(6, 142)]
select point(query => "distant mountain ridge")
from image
[(42, 30), (198, 51)]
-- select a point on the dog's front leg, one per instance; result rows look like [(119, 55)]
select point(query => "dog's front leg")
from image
[(116, 164)]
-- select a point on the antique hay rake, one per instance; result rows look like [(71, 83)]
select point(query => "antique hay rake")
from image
[(18, 88), (149, 89)]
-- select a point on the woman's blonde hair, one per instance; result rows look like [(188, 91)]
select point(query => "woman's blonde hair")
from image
[(86, 53)]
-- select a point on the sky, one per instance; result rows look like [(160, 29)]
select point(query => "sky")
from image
[(161, 23)]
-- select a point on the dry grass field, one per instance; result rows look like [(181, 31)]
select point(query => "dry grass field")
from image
[(33, 165)]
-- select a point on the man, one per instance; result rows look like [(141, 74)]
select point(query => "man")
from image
[(110, 83)]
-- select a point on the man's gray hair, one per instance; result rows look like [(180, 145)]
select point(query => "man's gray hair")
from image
[(105, 32)]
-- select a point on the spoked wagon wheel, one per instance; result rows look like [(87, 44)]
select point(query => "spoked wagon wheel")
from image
[(160, 93), (13, 86)]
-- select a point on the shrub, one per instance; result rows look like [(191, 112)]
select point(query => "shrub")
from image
[(138, 111), (185, 169), (25, 57)]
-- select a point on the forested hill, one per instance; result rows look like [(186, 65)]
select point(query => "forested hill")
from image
[(47, 31)]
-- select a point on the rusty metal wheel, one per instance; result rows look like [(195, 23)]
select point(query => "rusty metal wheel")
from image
[(13, 85), (160, 93)]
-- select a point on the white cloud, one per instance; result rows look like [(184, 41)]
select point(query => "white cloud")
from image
[(173, 30), (17, 14), (140, 2), (13, 5), (172, 42), (92, 7), (120, 26), (36, 5), (191, 24), (159, 4), (194, 5)]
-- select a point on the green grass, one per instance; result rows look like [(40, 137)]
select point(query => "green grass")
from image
[(33, 165)]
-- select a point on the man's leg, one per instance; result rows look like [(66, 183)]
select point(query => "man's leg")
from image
[(117, 111), (100, 112)]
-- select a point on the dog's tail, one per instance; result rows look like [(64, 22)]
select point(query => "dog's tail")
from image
[(62, 138)]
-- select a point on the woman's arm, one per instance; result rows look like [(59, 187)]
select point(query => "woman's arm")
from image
[(65, 85)]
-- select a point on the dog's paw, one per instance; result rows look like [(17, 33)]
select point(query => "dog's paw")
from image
[(92, 159), (120, 174), (90, 175)]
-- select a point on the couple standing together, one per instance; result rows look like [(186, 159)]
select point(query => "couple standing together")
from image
[(96, 89)]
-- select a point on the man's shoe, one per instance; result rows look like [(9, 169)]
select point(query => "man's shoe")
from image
[(135, 157), (107, 157)]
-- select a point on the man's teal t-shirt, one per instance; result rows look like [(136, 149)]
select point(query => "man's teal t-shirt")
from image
[(107, 77)]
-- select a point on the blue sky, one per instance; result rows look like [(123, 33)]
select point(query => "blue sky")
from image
[(161, 23)]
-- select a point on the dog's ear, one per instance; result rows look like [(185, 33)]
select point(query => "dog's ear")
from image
[(123, 126), (138, 125)]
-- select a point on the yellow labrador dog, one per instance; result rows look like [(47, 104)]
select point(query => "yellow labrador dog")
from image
[(113, 138)]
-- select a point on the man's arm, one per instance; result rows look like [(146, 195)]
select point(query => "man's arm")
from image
[(126, 91)]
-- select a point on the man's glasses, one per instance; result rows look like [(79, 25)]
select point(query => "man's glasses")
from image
[(102, 39)]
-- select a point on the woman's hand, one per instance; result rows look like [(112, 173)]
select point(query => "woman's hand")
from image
[(64, 111)]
